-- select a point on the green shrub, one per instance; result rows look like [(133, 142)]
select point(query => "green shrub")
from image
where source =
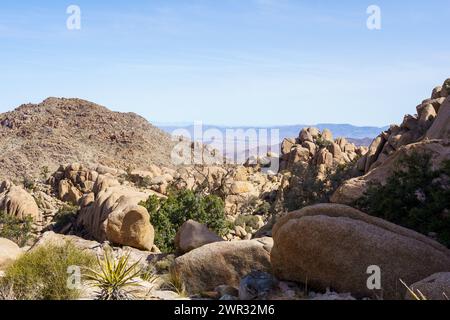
[(42, 274), (247, 221), (14, 229), (306, 189), (65, 216), (415, 196), (322, 143), (167, 215)]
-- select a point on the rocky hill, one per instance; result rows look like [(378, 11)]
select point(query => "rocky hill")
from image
[(60, 131)]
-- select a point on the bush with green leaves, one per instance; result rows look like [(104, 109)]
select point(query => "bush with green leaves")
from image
[(42, 274), (15, 229), (167, 215), (415, 196), (65, 216), (306, 189)]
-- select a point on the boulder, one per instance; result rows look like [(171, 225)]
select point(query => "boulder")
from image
[(68, 192), (116, 216), (427, 113), (298, 154), (314, 132), (239, 187), (193, 235), (305, 135), (9, 252), (436, 92), (374, 151), (17, 202), (327, 135), (440, 129), (435, 287), (287, 145), (332, 246), (311, 146), (324, 157), (222, 263), (335, 150)]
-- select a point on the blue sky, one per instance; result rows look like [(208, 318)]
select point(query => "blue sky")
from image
[(228, 62)]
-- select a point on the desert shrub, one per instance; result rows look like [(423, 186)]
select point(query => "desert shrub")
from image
[(42, 274), (44, 173), (415, 196), (322, 143), (28, 183), (307, 189), (14, 229), (304, 188), (65, 215), (167, 215), (247, 221), (163, 265), (174, 282)]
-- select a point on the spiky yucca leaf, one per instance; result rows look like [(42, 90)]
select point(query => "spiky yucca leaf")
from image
[(115, 277), (417, 296)]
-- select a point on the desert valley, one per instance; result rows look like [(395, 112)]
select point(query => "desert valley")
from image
[(92, 206)]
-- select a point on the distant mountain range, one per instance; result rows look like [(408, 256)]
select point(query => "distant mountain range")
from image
[(356, 134)]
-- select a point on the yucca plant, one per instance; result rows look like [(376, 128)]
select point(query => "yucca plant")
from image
[(115, 278), (417, 296)]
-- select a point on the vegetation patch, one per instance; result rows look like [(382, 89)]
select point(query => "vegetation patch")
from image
[(167, 215), (42, 274), (415, 196), (15, 229)]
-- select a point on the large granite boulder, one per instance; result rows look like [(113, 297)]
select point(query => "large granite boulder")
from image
[(332, 246), (222, 263)]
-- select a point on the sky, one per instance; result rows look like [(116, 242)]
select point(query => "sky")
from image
[(228, 62)]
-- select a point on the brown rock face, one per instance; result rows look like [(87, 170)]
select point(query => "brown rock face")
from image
[(193, 235), (435, 287), (220, 263), (17, 202), (333, 245)]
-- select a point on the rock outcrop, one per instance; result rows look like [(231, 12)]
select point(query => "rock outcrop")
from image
[(193, 235), (317, 148), (331, 245), (116, 215), (428, 131), (17, 202), (222, 263)]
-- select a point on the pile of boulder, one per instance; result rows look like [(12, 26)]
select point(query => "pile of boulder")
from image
[(319, 149), (108, 210), (428, 131)]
